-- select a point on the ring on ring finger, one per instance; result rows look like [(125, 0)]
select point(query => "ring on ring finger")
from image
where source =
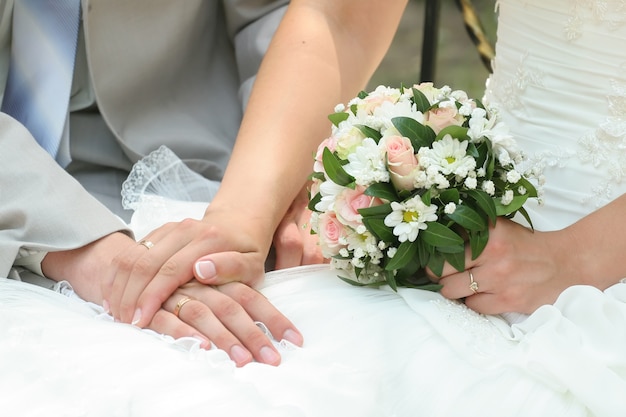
[(473, 284), (180, 304)]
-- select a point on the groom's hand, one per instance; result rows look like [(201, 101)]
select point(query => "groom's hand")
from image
[(226, 316)]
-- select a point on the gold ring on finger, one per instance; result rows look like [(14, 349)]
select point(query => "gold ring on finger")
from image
[(473, 284), (180, 304), (148, 244)]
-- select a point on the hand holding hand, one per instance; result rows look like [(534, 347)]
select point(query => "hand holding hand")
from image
[(225, 315)]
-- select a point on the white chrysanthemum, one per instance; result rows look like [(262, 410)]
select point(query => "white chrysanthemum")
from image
[(367, 164), (409, 217), (388, 111), (329, 192), (448, 155)]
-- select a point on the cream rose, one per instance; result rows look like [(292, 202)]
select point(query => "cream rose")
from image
[(401, 161), (443, 117)]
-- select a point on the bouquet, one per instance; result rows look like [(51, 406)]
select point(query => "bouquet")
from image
[(407, 178)]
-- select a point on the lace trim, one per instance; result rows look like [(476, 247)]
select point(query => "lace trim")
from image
[(163, 174)]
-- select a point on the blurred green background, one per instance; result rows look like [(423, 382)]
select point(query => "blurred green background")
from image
[(458, 63)]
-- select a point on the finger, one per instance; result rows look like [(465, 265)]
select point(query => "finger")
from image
[(175, 258), (227, 324), (260, 309), (462, 284), (289, 245), (154, 259), (223, 267), (167, 323)]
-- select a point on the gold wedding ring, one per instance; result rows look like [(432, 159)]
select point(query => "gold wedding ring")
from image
[(180, 305), (473, 284), (147, 244)]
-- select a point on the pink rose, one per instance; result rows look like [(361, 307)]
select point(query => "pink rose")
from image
[(350, 201), (443, 117), (401, 161), (331, 231), (331, 144)]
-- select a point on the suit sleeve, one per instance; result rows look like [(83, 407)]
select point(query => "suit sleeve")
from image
[(42, 208), (251, 26)]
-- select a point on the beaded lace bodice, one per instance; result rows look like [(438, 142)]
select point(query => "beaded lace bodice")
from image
[(560, 82)]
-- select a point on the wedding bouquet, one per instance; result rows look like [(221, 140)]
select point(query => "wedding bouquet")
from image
[(407, 177)]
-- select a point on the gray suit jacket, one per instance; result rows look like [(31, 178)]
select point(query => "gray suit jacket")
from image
[(154, 72), (41, 207)]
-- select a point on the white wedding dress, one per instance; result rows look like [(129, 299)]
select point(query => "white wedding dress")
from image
[(560, 80)]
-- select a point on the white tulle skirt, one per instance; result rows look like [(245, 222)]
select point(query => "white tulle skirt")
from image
[(367, 352)]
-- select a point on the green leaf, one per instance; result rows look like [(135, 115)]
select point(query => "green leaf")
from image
[(382, 190), (376, 226), (531, 191), (457, 132), (419, 135), (468, 218), (484, 202), (362, 94), (457, 260), (451, 195), (376, 211), (312, 202), (421, 102), (337, 118), (368, 132), (478, 241), (423, 252), (517, 202), (335, 171), (405, 253), (435, 263), (524, 213), (439, 236), (391, 280)]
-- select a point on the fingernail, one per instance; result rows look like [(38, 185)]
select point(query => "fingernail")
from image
[(205, 269), (106, 307), (240, 355), (269, 355), (293, 336), (136, 317)]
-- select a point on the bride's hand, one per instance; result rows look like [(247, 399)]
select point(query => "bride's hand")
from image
[(518, 271), (225, 315), (293, 242)]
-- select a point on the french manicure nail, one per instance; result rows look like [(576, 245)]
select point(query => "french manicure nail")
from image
[(136, 317), (205, 269)]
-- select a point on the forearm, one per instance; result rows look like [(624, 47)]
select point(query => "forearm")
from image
[(322, 54), (593, 248)]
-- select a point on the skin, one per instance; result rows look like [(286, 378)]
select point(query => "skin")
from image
[(323, 53), (520, 270), (223, 315)]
